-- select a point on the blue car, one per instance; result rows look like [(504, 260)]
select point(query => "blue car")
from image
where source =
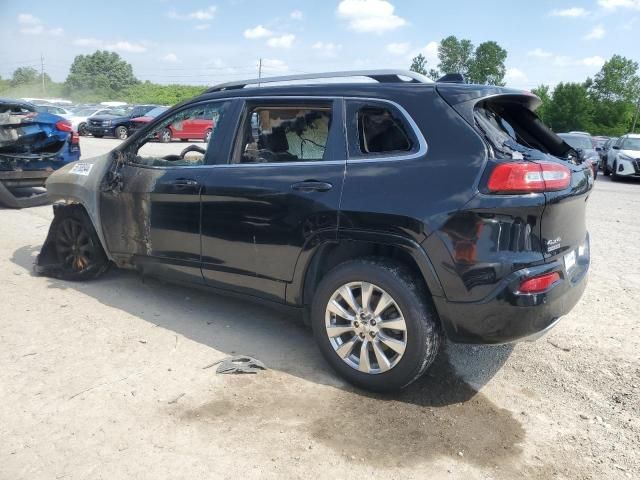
[(32, 146)]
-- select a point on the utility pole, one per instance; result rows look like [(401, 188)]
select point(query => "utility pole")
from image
[(42, 71), (259, 70), (635, 117)]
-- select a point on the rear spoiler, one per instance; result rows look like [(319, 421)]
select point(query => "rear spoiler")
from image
[(452, 78)]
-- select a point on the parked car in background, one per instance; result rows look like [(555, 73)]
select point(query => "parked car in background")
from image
[(55, 110), (80, 117), (583, 144), (623, 158), (32, 145), (604, 150), (350, 202), (139, 122), (116, 125)]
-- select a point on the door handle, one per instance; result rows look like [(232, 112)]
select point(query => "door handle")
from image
[(312, 186), (182, 183)]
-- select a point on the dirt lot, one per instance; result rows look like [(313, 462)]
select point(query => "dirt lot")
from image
[(106, 380)]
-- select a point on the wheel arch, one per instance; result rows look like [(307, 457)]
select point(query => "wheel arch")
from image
[(315, 262)]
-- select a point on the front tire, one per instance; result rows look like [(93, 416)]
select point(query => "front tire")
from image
[(375, 324), (121, 132), (165, 136), (77, 246), (614, 173), (82, 129), (605, 169)]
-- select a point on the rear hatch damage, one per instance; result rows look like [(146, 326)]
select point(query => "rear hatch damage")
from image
[(30, 150)]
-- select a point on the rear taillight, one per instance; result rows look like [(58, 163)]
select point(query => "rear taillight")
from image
[(75, 138), (539, 284), (527, 177), (64, 126)]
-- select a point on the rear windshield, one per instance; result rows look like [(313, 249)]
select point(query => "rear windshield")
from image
[(512, 127), (578, 141)]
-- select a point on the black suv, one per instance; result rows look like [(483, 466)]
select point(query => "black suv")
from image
[(117, 125), (391, 213)]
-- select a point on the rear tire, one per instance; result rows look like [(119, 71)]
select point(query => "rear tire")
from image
[(77, 246), (165, 136), (82, 129), (385, 368)]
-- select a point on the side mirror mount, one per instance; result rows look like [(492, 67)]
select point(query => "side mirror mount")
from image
[(616, 147)]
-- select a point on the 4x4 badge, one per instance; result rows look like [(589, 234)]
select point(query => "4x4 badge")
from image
[(553, 245)]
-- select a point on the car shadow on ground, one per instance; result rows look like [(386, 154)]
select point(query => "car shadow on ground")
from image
[(444, 410)]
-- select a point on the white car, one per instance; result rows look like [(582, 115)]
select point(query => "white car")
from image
[(55, 109), (623, 158), (80, 118)]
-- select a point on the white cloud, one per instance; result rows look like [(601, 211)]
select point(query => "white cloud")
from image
[(400, 48), (430, 52), (257, 32), (274, 66), (595, 61), (376, 16), (124, 46), (296, 15), (327, 49), (615, 4), (539, 53), (116, 46), (283, 41), (202, 26), (596, 33), (170, 58), (32, 25), (570, 12), (28, 19), (515, 76), (201, 15)]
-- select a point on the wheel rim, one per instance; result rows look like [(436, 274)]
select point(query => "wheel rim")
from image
[(74, 245), (122, 134), (366, 327), (166, 136)]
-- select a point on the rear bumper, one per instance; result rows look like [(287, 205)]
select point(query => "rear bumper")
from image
[(508, 316)]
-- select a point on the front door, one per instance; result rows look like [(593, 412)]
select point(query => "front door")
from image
[(280, 191), (152, 216)]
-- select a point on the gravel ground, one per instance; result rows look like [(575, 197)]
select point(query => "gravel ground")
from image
[(106, 379)]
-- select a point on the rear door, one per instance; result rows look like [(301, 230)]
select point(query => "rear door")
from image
[(278, 192)]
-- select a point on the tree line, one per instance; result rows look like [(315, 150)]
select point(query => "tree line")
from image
[(97, 77), (608, 104)]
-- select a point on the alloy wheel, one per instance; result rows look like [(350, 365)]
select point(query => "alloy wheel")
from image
[(366, 327), (74, 245)]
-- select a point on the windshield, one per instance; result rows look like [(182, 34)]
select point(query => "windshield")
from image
[(578, 141), (630, 144), (156, 111)]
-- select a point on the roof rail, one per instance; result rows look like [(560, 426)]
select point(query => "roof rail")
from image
[(382, 76)]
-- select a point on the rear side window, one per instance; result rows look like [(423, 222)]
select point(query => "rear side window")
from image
[(378, 129)]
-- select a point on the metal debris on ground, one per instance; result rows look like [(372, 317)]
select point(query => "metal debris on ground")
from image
[(238, 364)]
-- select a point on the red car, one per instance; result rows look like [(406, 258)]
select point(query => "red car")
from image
[(198, 126)]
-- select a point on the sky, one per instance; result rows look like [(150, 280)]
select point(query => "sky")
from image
[(204, 42)]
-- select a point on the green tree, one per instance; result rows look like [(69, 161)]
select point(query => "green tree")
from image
[(24, 76), (487, 64), (455, 55), (614, 92), (102, 73), (419, 64), (571, 108), (543, 92)]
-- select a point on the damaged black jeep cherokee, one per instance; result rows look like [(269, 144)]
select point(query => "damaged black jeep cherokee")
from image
[(394, 213)]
